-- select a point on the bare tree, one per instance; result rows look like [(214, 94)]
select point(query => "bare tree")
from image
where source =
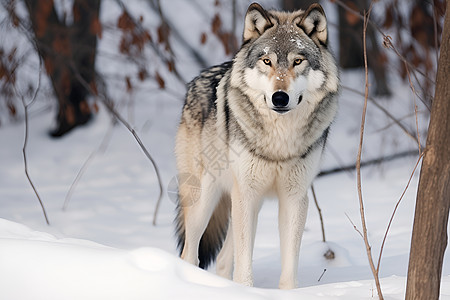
[(351, 44), (429, 237), (296, 4), (67, 50)]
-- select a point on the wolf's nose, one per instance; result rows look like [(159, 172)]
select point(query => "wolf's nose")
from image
[(280, 99)]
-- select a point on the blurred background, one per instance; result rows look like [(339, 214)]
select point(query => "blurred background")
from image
[(83, 49)]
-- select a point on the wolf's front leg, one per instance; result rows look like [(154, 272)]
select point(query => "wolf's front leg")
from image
[(244, 214), (224, 265), (291, 222)]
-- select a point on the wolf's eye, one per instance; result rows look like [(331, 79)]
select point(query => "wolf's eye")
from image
[(267, 61), (297, 61)]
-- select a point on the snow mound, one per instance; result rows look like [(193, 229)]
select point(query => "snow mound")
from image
[(36, 265)]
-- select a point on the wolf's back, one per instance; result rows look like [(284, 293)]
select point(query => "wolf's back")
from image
[(200, 108), (201, 96)]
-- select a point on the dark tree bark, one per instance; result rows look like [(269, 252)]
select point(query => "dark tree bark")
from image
[(429, 237), (350, 35), (68, 51), (351, 45), (291, 5)]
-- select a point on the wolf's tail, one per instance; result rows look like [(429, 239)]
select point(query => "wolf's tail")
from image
[(214, 235)]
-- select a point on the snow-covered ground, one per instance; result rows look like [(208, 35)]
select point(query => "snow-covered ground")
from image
[(104, 246)]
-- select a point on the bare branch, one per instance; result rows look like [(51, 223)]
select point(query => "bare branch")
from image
[(386, 38), (340, 164), (385, 111), (415, 109), (395, 210), (201, 61), (320, 213), (110, 106), (323, 273), (354, 226), (358, 161), (329, 254), (25, 142), (369, 162), (101, 148), (153, 45)]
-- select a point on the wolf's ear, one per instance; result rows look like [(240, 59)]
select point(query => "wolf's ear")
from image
[(314, 24), (257, 21)]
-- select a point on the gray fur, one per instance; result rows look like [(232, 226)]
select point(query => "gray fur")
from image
[(259, 148)]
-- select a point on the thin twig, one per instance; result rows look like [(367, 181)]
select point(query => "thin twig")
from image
[(25, 142), (389, 44), (155, 48), (340, 164), (320, 213), (354, 226), (110, 106), (101, 148), (415, 108), (384, 110), (388, 125), (323, 273), (395, 210), (385, 37), (181, 38), (358, 161), (369, 162)]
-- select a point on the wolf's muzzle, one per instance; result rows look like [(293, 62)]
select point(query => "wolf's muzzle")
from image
[(280, 101)]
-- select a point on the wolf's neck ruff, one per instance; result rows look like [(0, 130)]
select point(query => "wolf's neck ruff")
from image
[(272, 136)]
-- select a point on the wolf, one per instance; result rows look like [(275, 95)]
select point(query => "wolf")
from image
[(253, 127)]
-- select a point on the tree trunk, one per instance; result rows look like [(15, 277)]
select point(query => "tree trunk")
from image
[(351, 45), (429, 237), (350, 35), (291, 5), (68, 52)]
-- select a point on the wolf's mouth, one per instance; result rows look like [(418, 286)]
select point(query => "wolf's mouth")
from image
[(281, 111)]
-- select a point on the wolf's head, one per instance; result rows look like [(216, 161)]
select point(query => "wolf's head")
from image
[(284, 54)]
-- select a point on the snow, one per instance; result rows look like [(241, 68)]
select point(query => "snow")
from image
[(104, 246), (37, 265)]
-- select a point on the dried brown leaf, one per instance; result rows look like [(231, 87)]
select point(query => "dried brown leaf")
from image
[(352, 18), (95, 107), (142, 74), (84, 107), (216, 24), (125, 22), (12, 54), (171, 65), (203, 38), (128, 84), (163, 33), (96, 27), (147, 36), (12, 109), (160, 80)]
